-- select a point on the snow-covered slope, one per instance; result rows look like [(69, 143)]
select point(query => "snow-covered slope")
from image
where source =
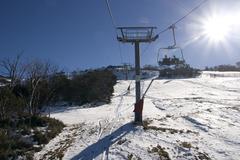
[(184, 119)]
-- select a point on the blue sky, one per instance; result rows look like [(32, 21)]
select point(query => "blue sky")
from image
[(78, 34)]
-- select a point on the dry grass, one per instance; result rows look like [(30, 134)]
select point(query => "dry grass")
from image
[(163, 155), (186, 145)]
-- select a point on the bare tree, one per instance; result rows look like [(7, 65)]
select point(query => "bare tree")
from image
[(37, 73), (13, 69)]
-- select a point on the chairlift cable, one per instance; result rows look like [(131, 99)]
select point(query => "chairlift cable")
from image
[(110, 13), (115, 27), (191, 11), (172, 27), (182, 18)]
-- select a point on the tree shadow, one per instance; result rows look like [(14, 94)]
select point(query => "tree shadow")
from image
[(103, 144)]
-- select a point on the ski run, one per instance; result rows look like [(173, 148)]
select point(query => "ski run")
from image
[(195, 118)]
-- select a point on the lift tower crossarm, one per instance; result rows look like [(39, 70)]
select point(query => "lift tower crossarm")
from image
[(136, 34)]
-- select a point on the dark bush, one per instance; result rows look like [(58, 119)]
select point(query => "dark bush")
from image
[(40, 137), (12, 139), (10, 105), (93, 86), (25, 130), (83, 87), (60, 84), (6, 144), (5, 123), (38, 121), (54, 127)]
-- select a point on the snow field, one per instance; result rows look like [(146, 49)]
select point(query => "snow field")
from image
[(201, 112)]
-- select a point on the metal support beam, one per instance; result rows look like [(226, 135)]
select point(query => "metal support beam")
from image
[(138, 116)]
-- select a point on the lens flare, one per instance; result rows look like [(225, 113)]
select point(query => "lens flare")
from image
[(217, 28)]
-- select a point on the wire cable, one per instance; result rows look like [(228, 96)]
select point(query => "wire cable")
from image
[(111, 15), (186, 15), (115, 27)]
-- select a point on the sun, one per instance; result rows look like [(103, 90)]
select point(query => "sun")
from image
[(216, 28)]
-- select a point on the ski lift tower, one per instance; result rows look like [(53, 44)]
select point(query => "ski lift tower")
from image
[(137, 35), (126, 67)]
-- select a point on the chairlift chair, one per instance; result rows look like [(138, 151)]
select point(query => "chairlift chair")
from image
[(167, 61), (164, 60)]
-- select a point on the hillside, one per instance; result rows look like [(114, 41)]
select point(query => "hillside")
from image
[(184, 119)]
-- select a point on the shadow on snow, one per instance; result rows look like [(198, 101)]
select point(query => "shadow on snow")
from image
[(103, 144)]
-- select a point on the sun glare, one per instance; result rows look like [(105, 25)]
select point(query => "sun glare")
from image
[(216, 28)]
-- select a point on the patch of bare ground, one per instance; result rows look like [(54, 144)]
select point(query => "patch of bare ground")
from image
[(147, 126), (133, 157), (162, 153), (64, 143), (190, 151)]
